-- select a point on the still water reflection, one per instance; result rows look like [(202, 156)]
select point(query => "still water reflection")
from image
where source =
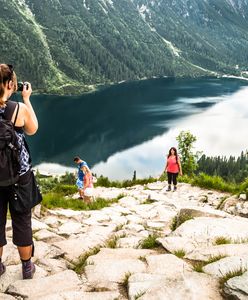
[(130, 126)]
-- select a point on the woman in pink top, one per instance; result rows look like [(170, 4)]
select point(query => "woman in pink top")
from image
[(173, 167)]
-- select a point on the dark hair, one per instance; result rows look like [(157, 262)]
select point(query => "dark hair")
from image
[(6, 74), (76, 158), (173, 148)]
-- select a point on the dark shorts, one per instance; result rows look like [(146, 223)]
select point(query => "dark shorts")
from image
[(21, 222)]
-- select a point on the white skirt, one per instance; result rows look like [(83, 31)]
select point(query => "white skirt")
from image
[(89, 192)]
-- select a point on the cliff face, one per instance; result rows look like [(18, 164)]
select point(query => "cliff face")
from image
[(66, 46)]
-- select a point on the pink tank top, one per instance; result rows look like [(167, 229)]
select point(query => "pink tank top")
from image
[(172, 166), (88, 175)]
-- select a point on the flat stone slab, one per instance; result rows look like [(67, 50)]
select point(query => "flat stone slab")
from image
[(6, 297), (225, 265), (237, 287), (113, 264), (69, 228), (166, 264), (185, 286), (176, 243), (206, 253), (35, 288), (75, 247), (14, 273), (208, 228), (112, 295), (47, 236)]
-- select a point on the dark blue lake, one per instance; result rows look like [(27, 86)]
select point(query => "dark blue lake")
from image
[(130, 126)]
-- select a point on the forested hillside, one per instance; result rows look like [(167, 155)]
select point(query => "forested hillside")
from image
[(67, 46)]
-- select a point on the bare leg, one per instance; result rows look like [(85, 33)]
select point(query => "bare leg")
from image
[(81, 193), (87, 199), (1, 251), (25, 252)]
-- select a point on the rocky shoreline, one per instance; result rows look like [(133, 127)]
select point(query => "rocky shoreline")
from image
[(190, 247)]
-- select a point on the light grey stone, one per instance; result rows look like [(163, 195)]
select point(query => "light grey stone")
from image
[(111, 295), (6, 297), (206, 253), (176, 243), (75, 247), (167, 264), (208, 228), (225, 265), (53, 266), (70, 228), (35, 288), (44, 250), (237, 287), (113, 264), (183, 287), (243, 197), (38, 225), (129, 242), (128, 201), (14, 273), (47, 236)]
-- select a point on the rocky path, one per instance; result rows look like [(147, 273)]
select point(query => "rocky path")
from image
[(150, 245)]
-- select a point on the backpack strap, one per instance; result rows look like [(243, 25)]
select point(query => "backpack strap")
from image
[(9, 110)]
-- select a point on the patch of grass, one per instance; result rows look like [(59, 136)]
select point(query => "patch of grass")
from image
[(65, 189), (213, 182), (177, 221), (150, 242), (122, 195), (219, 206), (230, 275), (173, 225), (143, 259), (198, 266), (221, 240), (124, 282), (112, 242), (81, 264), (56, 200), (118, 227), (179, 253), (138, 295)]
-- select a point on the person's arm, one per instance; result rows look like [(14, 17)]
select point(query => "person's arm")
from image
[(30, 119), (180, 167), (87, 181)]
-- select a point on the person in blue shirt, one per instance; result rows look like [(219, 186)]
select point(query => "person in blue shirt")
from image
[(80, 180)]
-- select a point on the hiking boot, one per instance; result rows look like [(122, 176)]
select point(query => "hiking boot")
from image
[(168, 188), (2, 268), (175, 188), (28, 269)]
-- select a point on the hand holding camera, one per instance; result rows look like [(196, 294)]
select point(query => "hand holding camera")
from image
[(25, 88)]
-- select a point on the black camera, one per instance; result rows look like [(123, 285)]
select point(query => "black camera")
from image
[(20, 86)]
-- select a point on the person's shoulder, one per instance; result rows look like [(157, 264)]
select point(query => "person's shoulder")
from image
[(83, 163)]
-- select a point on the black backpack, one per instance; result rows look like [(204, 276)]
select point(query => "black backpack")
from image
[(9, 148)]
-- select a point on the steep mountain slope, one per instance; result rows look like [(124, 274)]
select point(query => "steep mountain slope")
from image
[(64, 46)]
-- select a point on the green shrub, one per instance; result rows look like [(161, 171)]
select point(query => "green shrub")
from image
[(65, 189), (213, 182), (68, 178)]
